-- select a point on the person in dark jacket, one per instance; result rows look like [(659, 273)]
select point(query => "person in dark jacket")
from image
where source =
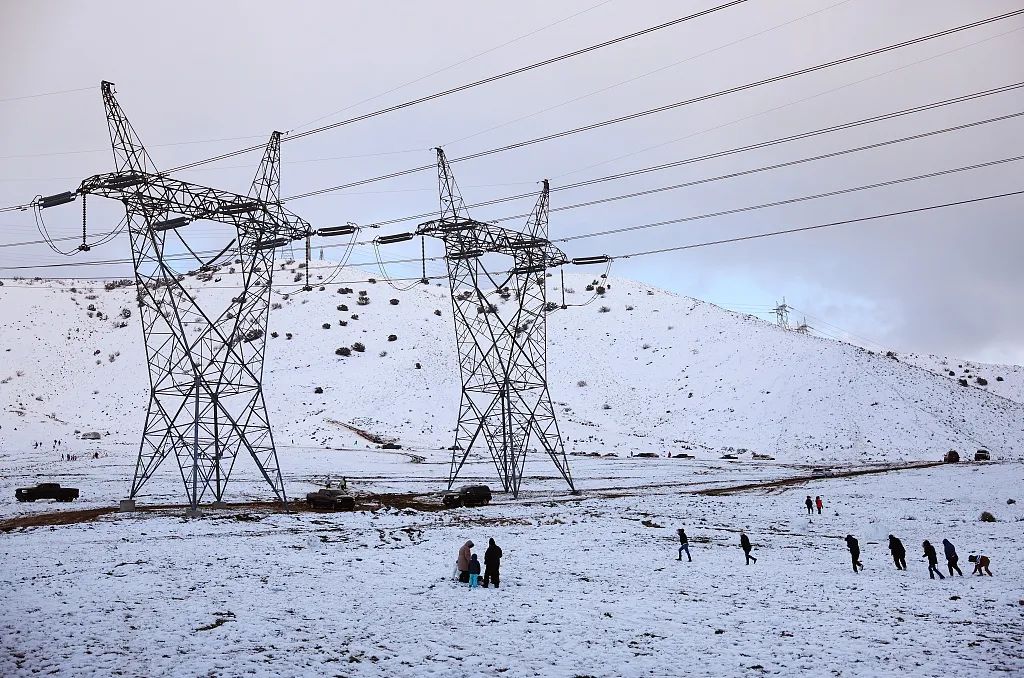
[(474, 571), (745, 545), (899, 553), (809, 504), (492, 564), (933, 560), (951, 557), (854, 546), (684, 545)]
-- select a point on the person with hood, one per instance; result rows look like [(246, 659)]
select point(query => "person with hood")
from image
[(809, 504), (492, 564), (684, 545), (474, 571), (745, 545), (933, 560), (854, 546), (899, 553), (951, 557), (819, 503), (462, 564), (980, 563)]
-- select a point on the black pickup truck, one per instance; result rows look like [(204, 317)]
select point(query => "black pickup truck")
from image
[(46, 491)]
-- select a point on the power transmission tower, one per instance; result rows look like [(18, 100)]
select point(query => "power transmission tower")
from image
[(505, 403), (781, 312), (803, 327), (206, 402)]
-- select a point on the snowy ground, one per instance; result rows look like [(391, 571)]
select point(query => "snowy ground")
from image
[(587, 588)]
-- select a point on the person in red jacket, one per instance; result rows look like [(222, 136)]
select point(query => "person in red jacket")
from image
[(819, 503)]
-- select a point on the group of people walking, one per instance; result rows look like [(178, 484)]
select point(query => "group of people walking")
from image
[(899, 554), (899, 558), (811, 505), (468, 566)]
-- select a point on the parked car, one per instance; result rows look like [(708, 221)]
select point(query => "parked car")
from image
[(46, 491), (951, 457), (982, 455), (331, 499), (467, 495)]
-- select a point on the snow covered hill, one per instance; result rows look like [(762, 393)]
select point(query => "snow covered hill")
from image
[(639, 369)]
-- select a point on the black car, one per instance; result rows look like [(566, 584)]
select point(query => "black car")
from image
[(46, 491), (467, 495), (331, 499)]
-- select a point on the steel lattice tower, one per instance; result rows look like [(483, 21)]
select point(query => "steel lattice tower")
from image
[(505, 401), (206, 403)]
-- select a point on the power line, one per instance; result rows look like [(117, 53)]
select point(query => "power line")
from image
[(470, 85), (613, 231), (457, 63), (790, 201), (801, 229), (660, 109), (44, 94), (737, 150), (756, 236)]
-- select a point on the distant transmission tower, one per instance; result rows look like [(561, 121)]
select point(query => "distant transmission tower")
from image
[(782, 314), (505, 402), (206, 401), (803, 327)]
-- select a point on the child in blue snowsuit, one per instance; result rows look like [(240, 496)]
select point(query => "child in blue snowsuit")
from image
[(474, 571)]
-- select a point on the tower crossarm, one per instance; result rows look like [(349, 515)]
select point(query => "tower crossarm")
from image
[(157, 194), (462, 236)]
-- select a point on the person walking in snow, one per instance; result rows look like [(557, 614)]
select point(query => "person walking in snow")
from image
[(492, 564), (462, 564), (854, 546), (980, 563), (745, 545), (819, 503), (809, 504), (474, 571), (684, 545), (933, 560), (899, 553), (951, 557)]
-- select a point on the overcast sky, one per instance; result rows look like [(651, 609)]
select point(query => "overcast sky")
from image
[(945, 282)]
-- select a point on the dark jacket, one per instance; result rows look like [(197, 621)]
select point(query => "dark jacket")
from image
[(492, 556), (853, 544), (929, 552), (474, 565), (808, 503), (896, 546), (682, 537), (950, 550), (745, 542)]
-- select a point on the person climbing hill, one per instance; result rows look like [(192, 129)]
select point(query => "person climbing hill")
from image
[(684, 545), (899, 553), (745, 545), (809, 504), (981, 564), (951, 557), (933, 560), (854, 546)]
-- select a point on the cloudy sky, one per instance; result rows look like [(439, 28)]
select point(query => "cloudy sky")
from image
[(202, 78)]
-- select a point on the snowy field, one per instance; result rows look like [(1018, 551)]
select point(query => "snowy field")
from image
[(590, 584)]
